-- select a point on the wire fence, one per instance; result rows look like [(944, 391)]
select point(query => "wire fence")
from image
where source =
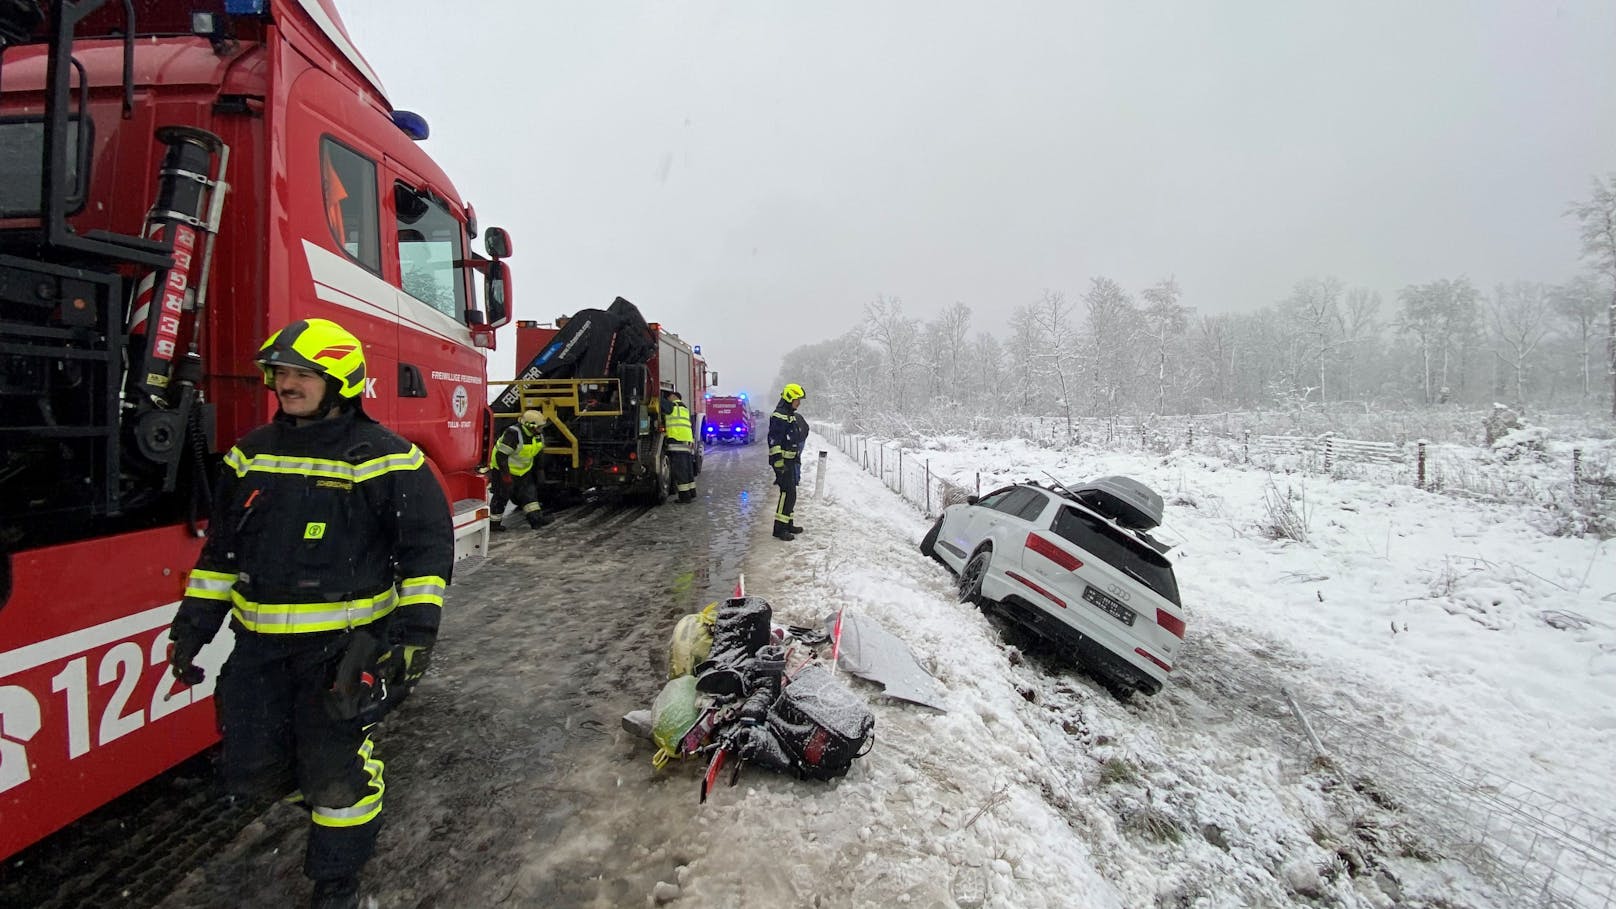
[(1540, 851)]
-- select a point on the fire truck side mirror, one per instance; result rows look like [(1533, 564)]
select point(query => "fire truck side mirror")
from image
[(497, 293), (712, 379), (497, 242)]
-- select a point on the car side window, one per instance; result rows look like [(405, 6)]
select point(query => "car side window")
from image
[(1013, 503), (1033, 507), (994, 499)]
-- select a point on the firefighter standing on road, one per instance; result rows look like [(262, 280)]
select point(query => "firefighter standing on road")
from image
[(513, 460), (329, 548), (680, 445), (788, 431)]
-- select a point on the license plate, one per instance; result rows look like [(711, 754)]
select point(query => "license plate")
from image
[(1108, 605)]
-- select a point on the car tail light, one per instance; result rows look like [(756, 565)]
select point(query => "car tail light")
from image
[(1171, 622), (1053, 553)]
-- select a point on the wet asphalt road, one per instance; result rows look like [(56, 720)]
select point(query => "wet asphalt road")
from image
[(509, 780)]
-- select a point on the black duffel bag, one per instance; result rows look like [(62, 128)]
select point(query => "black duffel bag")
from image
[(822, 724)]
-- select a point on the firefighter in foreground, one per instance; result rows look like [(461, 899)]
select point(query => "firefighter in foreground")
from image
[(329, 548), (680, 445), (515, 480), (788, 432)]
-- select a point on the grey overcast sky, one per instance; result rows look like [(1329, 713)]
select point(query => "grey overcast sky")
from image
[(752, 173)]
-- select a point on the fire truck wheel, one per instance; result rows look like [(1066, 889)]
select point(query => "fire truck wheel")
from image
[(661, 480)]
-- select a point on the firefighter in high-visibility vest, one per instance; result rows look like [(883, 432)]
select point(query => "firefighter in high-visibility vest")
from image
[(788, 432), (681, 444), (329, 549), (514, 460)]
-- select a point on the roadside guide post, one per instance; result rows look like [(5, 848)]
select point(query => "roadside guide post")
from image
[(819, 476)]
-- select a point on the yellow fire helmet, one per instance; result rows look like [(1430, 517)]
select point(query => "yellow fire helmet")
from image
[(792, 392), (532, 419), (319, 345)]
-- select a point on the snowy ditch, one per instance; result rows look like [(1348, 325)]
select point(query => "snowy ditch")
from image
[(1457, 664)]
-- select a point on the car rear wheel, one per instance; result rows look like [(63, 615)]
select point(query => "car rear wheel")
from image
[(970, 578)]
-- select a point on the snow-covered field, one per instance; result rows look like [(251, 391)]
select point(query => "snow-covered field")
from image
[(1458, 665)]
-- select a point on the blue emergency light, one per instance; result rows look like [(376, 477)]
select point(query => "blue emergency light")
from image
[(412, 123)]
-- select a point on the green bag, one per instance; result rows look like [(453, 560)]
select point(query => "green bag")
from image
[(672, 715)]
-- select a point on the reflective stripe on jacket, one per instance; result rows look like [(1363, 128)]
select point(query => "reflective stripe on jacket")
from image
[(788, 432), (321, 527), (678, 425), (520, 450)]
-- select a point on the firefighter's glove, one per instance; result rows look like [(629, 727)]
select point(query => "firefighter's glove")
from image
[(185, 642), (416, 659)]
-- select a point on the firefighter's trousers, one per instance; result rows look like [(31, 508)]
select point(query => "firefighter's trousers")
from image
[(278, 738), (682, 464), (786, 478), (523, 490)]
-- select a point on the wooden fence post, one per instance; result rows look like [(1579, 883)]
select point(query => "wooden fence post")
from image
[(1191, 444), (1420, 477), (979, 484), (1576, 468), (928, 486), (1329, 450), (1245, 445)]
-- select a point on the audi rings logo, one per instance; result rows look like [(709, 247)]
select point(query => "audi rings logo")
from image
[(460, 401), (1118, 591)]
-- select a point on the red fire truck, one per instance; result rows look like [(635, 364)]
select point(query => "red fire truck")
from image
[(177, 180), (598, 376)]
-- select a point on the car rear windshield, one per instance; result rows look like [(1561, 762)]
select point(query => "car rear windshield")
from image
[(1116, 548)]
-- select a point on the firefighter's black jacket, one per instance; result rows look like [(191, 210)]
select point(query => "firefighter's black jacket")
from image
[(323, 527), (788, 432)]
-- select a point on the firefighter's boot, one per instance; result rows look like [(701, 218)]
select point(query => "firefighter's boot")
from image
[(782, 531), (336, 893), (793, 528), (496, 526)]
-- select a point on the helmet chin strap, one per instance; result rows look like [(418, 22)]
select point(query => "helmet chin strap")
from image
[(330, 400)]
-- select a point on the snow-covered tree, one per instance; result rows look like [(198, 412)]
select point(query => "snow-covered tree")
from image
[(947, 345), (1580, 303), (987, 377), (1442, 317), (1312, 311), (1163, 320), (1111, 327), (1520, 320), (1358, 327), (897, 337), (1598, 217), (1058, 348)]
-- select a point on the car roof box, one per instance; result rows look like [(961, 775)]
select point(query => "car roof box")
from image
[(1122, 499)]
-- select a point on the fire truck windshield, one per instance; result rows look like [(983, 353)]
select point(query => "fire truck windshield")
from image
[(21, 143)]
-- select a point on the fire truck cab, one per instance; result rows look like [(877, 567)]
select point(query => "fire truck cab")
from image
[(177, 181)]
